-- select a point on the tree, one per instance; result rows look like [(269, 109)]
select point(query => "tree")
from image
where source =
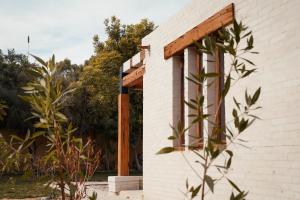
[(68, 159), (95, 102), (13, 75)]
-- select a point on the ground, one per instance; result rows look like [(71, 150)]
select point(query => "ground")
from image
[(20, 187)]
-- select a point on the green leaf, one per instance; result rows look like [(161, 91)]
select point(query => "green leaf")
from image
[(237, 31), (210, 182), (234, 185), (230, 132), (243, 125), (234, 113), (228, 163), (255, 96), (247, 34), (232, 196), (196, 191), (37, 134), (241, 196), (211, 74), (61, 116), (250, 42), (198, 154), (189, 104), (14, 137), (166, 150), (194, 81), (236, 103), (172, 137), (247, 98), (28, 88), (39, 60), (248, 73), (215, 153), (230, 153), (187, 184), (248, 61), (226, 86), (220, 167), (191, 189)]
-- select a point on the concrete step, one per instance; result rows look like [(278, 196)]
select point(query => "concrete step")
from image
[(131, 194)]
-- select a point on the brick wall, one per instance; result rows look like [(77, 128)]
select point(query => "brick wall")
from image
[(270, 167)]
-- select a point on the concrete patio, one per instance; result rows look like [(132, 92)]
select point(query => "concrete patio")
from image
[(101, 188)]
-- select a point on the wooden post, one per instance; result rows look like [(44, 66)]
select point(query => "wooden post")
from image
[(123, 134), (220, 109), (199, 131)]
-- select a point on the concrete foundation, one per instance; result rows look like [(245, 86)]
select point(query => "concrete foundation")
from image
[(121, 183)]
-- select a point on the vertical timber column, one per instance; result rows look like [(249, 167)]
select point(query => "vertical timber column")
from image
[(123, 130), (178, 90), (192, 67), (220, 112)]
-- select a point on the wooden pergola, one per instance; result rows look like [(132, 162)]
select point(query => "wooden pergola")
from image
[(131, 76)]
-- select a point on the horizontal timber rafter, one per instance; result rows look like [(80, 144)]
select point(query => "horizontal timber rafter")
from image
[(134, 78), (135, 62), (212, 24)]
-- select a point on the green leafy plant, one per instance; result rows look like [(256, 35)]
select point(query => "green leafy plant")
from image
[(12, 155), (236, 42), (68, 160)]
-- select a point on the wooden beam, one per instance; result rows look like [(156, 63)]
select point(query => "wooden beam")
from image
[(123, 135), (135, 62), (134, 77), (139, 86), (212, 24)]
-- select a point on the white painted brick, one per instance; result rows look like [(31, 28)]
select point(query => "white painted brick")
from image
[(270, 168)]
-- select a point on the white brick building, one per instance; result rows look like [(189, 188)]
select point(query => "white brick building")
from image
[(270, 168)]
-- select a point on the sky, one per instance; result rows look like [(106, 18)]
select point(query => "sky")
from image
[(66, 27)]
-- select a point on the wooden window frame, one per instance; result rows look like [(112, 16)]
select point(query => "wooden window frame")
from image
[(199, 134), (182, 110), (220, 19)]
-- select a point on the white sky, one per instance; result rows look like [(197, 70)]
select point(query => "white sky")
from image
[(66, 27)]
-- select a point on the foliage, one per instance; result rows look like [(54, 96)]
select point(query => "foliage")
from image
[(236, 42), (13, 76), (3, 108), (68, 159), (93, 107), (12, 156)]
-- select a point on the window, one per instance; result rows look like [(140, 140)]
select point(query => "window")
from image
[(191, 62)]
